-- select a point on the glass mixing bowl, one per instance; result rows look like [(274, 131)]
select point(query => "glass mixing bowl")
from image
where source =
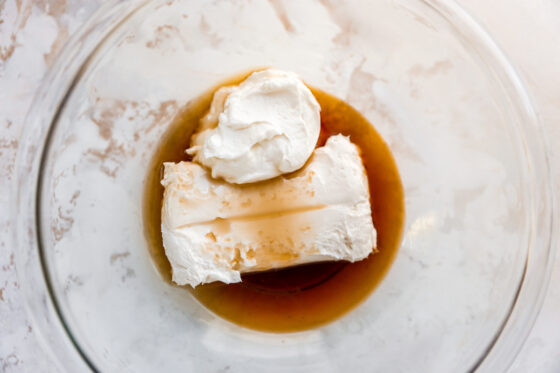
[(476, 254)]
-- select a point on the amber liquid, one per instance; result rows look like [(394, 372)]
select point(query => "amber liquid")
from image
[(306, 296)]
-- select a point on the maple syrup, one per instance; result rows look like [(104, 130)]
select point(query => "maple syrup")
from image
[(304, 296)]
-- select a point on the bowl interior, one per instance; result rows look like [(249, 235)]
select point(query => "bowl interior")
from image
[(434, 100)]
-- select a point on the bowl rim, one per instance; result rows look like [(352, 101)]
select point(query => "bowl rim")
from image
[(41, 304)]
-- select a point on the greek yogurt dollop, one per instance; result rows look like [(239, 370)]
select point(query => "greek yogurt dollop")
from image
[(266, 126)]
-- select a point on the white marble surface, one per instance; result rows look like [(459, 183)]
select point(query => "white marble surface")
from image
[(32, 32)]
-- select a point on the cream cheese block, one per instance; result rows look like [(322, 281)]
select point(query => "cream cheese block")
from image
[(215, 231)]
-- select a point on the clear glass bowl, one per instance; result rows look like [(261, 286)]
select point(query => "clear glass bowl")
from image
[(470, 276)]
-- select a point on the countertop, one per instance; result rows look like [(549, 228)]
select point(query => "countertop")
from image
[(33, 32)]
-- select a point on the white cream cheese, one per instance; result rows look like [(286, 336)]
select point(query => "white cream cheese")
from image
[(266, 126), (214, 231)]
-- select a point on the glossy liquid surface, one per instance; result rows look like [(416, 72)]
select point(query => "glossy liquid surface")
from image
[(306, 296)]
